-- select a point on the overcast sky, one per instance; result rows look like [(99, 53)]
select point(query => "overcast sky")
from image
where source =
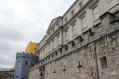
[(22, 21)]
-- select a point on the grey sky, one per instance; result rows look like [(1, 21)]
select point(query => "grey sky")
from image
[(22, 21)]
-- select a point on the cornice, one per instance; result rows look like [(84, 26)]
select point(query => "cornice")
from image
[(80, 12)]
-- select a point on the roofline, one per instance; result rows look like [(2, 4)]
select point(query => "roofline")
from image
[(53, 24), (42, 40), (70, 8)]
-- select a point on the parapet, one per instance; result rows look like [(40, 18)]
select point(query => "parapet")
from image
[(23, 54)]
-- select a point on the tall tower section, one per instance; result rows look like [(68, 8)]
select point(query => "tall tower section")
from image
[(23, 62)]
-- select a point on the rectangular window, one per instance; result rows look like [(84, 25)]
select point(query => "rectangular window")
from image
[(53, 43), (48, 48), (66, 35), (50, 45), (66, 19), (72, 13), (58, 24), (53, 30), (26, 63), (103, 61), (112, 3), (58, 39), (80, 4), (83, 22), (74, 28), (19, 64), (96, 13)]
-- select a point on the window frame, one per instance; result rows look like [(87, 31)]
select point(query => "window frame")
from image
[(81, 4), (19, 64), (95, 14), (66, 34), (74, 28), (72, 12), (26, 63), (83, 22), (65, 19), (58, 39), (103, 62)]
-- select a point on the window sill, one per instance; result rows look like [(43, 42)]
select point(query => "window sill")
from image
[(74, 35), (96, 22), (66, 41), (83, 29)]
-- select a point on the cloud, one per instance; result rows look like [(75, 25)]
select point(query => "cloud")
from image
[(22, 21)]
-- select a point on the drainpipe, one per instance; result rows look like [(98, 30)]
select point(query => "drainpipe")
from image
[(97, 66)]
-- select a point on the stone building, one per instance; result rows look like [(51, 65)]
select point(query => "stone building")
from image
[(81, 44)]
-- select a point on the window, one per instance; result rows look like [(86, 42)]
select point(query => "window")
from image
[(74, 31), (53, 29), (53, 43), (103, 61), (26, 63), (19, 64), (58, 24), (66, 19), (41, 50), (48, 57), (32, 64), (96, 13), (80, 4), (52, 55), (112, 3), (49, 46), (66, 35), (58, 39), (72, 12), (83, 22)]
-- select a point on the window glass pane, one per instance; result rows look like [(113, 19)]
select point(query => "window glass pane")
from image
[(26, 63)]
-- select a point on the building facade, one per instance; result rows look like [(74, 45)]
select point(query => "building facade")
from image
[(81, 44), (23, 63), (7, 74)]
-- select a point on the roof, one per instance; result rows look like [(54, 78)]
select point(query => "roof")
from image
[(6, 73), (52, 22)]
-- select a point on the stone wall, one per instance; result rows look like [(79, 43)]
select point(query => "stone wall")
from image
[(81, 58), (92, 55), (68, 67)]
